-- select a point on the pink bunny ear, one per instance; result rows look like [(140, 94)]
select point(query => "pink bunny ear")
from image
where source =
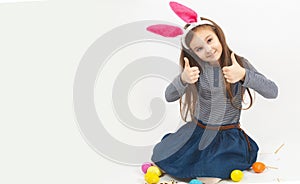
[(186, 14), (165, 30)]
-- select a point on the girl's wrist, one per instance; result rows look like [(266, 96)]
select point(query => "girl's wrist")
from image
[(182, 80)]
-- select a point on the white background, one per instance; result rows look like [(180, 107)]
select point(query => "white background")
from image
[(42, 43)]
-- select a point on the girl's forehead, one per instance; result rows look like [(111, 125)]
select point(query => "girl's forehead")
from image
[(203, 32)]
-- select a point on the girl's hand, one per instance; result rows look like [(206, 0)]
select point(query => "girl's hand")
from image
[(190, 74), (235, 72)]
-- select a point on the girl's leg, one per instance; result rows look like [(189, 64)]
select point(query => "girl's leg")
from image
[(209, 180)]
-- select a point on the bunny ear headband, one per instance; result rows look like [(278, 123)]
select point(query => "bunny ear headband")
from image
[(187, 15)]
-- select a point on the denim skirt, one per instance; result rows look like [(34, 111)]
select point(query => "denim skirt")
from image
[(193, 152)]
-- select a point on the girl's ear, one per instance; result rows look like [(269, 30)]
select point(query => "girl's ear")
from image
[(165, 30), (186, 14)]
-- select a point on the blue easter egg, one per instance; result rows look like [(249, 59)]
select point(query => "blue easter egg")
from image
[(195, 181)]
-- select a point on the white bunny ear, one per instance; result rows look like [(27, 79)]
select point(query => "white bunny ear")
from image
[(165, 30)]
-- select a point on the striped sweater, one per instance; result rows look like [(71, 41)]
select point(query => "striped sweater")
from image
[(213, 105)]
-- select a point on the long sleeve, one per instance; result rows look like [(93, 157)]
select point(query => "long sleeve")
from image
[(258, 82), (175, 89)]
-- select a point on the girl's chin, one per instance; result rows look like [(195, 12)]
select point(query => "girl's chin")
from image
[(213, 60)]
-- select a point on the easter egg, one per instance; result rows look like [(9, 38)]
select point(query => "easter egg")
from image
[(151, 177), (145, 166), (195, 181), (236, 175), (155, 170), (258, 167)]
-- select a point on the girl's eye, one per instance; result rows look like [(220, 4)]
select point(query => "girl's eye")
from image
[(198, 49), (209, 40)]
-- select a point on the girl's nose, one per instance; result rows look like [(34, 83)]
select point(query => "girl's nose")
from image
[(208, 49)]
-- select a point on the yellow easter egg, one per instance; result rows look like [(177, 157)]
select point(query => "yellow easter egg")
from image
[(236, 175), (151, 178), (155, 170)]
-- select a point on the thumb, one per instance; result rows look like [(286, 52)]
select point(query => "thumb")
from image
[(186, 63), (233, 59)]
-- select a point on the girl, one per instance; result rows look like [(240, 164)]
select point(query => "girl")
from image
[(210, 90)]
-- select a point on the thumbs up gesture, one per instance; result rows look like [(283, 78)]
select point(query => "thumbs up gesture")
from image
[(190, 74), (235, 72)]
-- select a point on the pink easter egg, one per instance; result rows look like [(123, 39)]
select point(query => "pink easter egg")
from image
[(145, 166)]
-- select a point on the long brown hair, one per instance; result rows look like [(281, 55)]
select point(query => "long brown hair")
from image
[(188, 105)]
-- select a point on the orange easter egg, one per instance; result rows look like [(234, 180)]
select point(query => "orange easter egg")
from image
[(258, 167)]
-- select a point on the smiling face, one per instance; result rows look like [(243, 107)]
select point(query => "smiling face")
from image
[(206, 45)]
